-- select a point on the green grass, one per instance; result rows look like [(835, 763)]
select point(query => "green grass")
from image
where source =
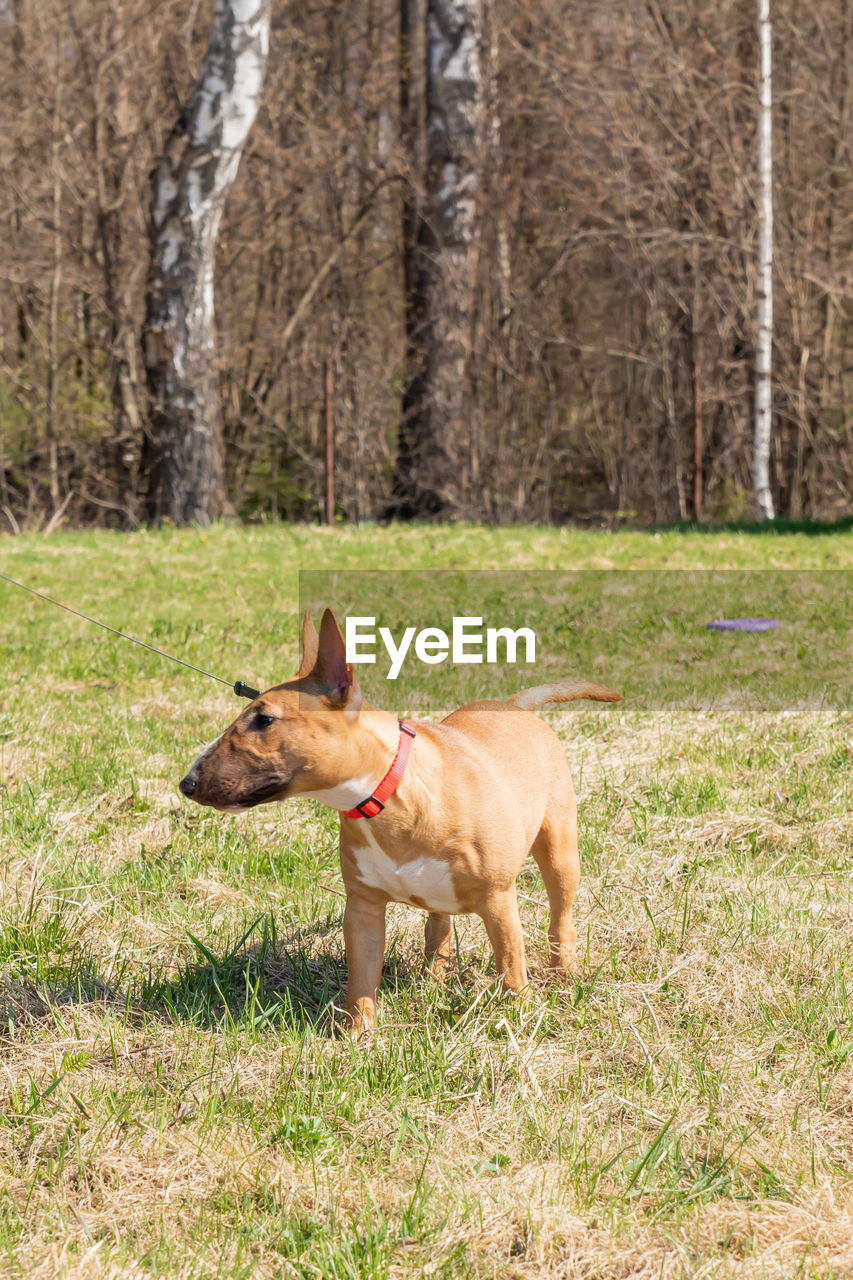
[(173, 1098)]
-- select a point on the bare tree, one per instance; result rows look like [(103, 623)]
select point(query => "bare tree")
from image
[(440, 256), (190, 184), (614, 335), (764, 341)]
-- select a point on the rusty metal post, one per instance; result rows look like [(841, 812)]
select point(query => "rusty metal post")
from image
[(697, 441)]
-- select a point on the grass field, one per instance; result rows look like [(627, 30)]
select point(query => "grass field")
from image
[(173, 1098)]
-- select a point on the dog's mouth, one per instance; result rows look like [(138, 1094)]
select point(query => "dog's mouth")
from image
[(272, 787)]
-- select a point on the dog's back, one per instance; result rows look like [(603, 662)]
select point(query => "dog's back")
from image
[(509, 730), (519, 750)]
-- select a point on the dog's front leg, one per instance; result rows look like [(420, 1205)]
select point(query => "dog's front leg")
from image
[(364, 939)]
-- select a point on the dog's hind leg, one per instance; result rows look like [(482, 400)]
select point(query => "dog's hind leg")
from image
[(503, 925), (555, 850), (438, 931)]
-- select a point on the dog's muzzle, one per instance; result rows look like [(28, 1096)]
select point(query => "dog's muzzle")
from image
[(270, 788)]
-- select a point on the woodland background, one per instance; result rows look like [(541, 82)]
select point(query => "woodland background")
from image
[(616, 275)]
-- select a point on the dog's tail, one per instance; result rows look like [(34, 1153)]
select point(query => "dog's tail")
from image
[(564, 691)]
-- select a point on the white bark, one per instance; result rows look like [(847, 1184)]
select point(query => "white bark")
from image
[(764, 341), (190, 184)]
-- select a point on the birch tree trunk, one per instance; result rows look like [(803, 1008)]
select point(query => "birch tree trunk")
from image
[(189, 188), (764, 344), (441, 260)]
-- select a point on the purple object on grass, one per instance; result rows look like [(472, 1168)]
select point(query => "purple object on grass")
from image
[(743, 624)]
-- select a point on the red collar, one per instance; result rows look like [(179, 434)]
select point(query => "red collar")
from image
[(375, 803)]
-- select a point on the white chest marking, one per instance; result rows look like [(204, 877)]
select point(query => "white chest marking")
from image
[(427, 879), (346, 795)]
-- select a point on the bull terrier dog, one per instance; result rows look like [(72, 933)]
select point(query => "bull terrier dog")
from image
[(439, 816)]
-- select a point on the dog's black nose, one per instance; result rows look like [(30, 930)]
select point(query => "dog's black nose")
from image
[(188, 785)]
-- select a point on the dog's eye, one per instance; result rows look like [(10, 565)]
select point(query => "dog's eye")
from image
[(262, 721)]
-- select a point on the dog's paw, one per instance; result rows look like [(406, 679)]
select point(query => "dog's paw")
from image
[(358, 1033), (436, 969)]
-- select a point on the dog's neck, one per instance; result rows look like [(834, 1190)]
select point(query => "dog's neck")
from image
[(373, 742)]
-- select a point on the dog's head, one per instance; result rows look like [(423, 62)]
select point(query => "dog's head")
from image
[(294, 739)]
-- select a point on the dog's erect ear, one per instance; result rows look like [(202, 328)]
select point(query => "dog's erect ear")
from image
[(332, 668), (310, 644)]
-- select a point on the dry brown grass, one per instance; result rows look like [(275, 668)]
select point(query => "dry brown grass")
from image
[(710, 1017)]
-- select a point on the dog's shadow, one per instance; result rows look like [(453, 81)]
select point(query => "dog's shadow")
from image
[(295, 982), (262, 983)]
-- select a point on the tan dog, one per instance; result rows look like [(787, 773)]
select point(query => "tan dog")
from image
[(477, 793)]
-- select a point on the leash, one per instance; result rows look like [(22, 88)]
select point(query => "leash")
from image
[(240, 687)]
